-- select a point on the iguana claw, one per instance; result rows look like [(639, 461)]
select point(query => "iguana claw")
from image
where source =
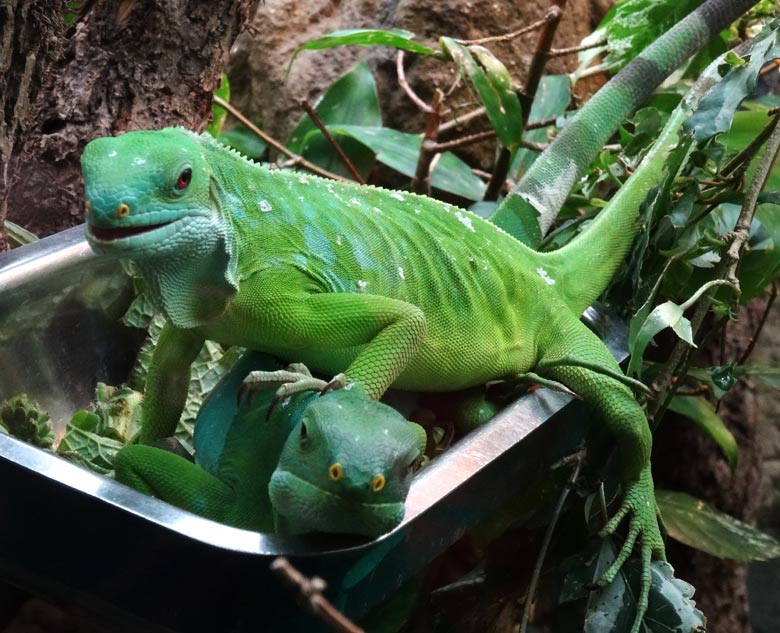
[(643, 526), (295, 379)]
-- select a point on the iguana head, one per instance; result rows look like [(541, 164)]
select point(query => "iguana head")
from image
[(346, 467), (146, 192)]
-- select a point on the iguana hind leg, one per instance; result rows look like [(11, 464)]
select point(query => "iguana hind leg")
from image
[(570, 355)]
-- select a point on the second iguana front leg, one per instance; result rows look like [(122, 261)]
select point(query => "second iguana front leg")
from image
[(572, 356)]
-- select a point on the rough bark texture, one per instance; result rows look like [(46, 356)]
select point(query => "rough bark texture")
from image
[(30, 40), (123, 65), (686, 459), (263, 92)]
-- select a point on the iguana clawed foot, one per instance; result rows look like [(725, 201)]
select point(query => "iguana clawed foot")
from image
[(639, 504), (295, 379)]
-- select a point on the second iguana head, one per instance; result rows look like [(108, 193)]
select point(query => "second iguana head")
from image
[(346, 467)]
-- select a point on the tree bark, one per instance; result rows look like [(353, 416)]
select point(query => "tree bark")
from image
[(119, 65)]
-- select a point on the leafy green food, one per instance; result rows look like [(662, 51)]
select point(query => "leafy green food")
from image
[(26, 421)]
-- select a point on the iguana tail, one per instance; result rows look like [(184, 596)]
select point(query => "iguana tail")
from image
[(529, 210)]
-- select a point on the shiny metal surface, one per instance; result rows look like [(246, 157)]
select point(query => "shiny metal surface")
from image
[(141, 564)]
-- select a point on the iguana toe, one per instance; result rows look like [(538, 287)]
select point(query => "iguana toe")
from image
[(643, 528)]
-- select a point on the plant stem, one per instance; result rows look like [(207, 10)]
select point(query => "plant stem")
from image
[(298, 160), (334, 143)]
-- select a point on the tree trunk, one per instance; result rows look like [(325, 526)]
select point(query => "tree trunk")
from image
[(119, 65)]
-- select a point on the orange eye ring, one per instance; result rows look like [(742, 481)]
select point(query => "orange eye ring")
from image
[(336, 472), (378, 482)]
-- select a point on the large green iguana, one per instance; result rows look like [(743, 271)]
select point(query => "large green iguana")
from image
[(297, 468), (388, 287)]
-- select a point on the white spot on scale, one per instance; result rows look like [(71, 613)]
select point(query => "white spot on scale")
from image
[(362, 285), (543, 274), (397, 196), (303, 180), (377, 209), (386, 431), (417, 211), (355, 201), (301, 198), (339, 237), (401, 273), (265, 206), (112, 153), (139, 161), (465, 221)]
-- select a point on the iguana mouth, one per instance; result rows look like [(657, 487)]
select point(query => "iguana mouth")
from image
[(108, 234)]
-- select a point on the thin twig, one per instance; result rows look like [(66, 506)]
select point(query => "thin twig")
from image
[(339, 150), (399, 68), (539, 60), (726, 270), (592, 71), (421, 183), (529, 597), (310, 596), (299, 160), (560, 52), (507, 36), (754, 339), (465, 140)]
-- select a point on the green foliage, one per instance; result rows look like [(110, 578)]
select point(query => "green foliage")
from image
[(350, 100), (244, 140), (491, 80), (695, 523), (400, 151), (18, 236), (631, 25), (613, 608), (396, 38), (218, 113), (25, 420), (701, 412)]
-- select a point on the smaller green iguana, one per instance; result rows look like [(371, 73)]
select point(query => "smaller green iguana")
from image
[(300, 466)]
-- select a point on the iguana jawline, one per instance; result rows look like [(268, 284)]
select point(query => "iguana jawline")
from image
[(110, 234)]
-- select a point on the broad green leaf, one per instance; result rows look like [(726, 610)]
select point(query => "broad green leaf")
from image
[(670, 608), (717, 108), (703, 414), (396, 38), (245, 141), (631, 25), (768, 375), (401, 151), (551, 100), (668, 314), (352, 100), (18, 236), (699, 525), (218, 114), (494, 89)]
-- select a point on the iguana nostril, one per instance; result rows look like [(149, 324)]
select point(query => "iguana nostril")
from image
[(336, 471), (122, 211), (378, 482)]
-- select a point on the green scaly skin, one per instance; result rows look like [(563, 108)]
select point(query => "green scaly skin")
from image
[(390, 288), (275, 473), (393, 289)]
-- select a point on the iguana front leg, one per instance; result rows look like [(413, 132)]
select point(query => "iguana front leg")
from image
[(570, 355), (371, 338), (167, 382)]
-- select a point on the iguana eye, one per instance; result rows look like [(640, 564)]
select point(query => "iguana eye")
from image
[(184, 179)]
